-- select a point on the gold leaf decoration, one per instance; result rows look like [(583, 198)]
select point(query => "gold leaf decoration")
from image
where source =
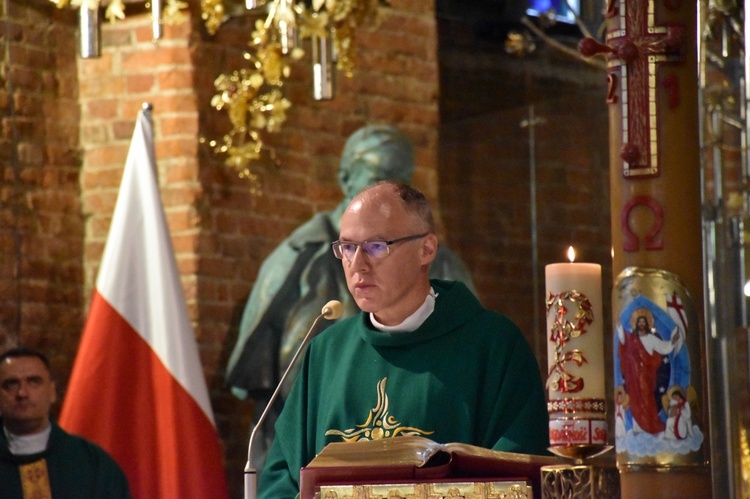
[(253, 97), (172, 13), (212, 13), (115, 10)]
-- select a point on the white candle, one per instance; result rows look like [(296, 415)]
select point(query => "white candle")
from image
[(575, 344)]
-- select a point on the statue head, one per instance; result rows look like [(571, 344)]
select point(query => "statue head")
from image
[(374, 153)]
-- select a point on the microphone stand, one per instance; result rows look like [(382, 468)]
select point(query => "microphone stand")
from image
[(331, 311)]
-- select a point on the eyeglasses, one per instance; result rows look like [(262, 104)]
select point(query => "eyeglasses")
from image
[(375, 249)]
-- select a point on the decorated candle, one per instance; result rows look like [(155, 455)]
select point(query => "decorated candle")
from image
[(575, 353)]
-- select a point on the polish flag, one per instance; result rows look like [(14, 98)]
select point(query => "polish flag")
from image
[(137, 387)]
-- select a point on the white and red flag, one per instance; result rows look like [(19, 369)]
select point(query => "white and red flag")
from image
[(137, 387)]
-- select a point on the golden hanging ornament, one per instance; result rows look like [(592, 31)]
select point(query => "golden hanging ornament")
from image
[(212, 13), (331, 26), (170, 12), (254, 96)]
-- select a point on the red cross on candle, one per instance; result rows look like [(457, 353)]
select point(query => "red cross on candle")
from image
[(638, 47)]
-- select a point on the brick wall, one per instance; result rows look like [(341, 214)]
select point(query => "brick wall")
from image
[(498, 218), (506, 224), (67, 124), (41, 224)]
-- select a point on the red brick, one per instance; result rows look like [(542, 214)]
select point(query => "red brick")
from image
[(179, 196), (96, 66), (139, 83), (101, 178), (176, 147), (115, 35), (99, 201), (178, 125), (177, 79), (107, 155), (101, 108), (180, 219), (154, 59)]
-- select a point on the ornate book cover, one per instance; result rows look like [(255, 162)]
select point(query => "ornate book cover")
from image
[(412, 460)]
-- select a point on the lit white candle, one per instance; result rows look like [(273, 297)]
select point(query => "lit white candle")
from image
[(575, 351)]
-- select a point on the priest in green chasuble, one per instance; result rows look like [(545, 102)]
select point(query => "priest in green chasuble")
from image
[(424, 357)]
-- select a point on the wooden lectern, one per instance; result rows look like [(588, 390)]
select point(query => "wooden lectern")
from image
[(419, 468)]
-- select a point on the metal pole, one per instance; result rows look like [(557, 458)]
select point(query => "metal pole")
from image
[(531, 123)]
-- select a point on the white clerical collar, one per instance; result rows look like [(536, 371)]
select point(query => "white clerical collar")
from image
[(412, 322), (27, 444)]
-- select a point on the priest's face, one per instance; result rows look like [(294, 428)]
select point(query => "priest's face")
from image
[(26, 394), (393, 286)]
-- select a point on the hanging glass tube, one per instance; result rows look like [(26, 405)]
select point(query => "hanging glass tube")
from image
[(254, 4), (156, 25), (334, 51), (90, 32), (323, 67), (287, 26), (287, 36)]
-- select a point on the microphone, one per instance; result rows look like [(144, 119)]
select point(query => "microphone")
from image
[(331, 311)]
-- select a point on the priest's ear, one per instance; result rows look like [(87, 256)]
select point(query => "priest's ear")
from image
[(428, 249)]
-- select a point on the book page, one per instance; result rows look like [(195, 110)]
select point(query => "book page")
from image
[(411, 451), (473, 450)]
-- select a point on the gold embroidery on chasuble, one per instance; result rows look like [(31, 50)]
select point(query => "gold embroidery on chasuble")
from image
[(34, 480), (379, 424)]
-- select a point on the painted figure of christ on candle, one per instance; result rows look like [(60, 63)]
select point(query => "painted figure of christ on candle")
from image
[(654, 390), (575, 354)]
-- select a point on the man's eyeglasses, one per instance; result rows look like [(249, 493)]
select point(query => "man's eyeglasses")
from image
[(375, 249)]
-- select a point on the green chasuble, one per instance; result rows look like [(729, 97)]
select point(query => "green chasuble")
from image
[(465, 375), (77, 469)]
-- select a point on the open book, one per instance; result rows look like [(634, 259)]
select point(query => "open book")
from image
[(416, 459)]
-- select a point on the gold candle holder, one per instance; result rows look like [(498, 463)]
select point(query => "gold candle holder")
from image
[(580, 453), (585, 476), (580, 481), (578, 433)]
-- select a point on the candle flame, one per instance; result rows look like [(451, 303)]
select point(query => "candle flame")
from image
[(571, 254)]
